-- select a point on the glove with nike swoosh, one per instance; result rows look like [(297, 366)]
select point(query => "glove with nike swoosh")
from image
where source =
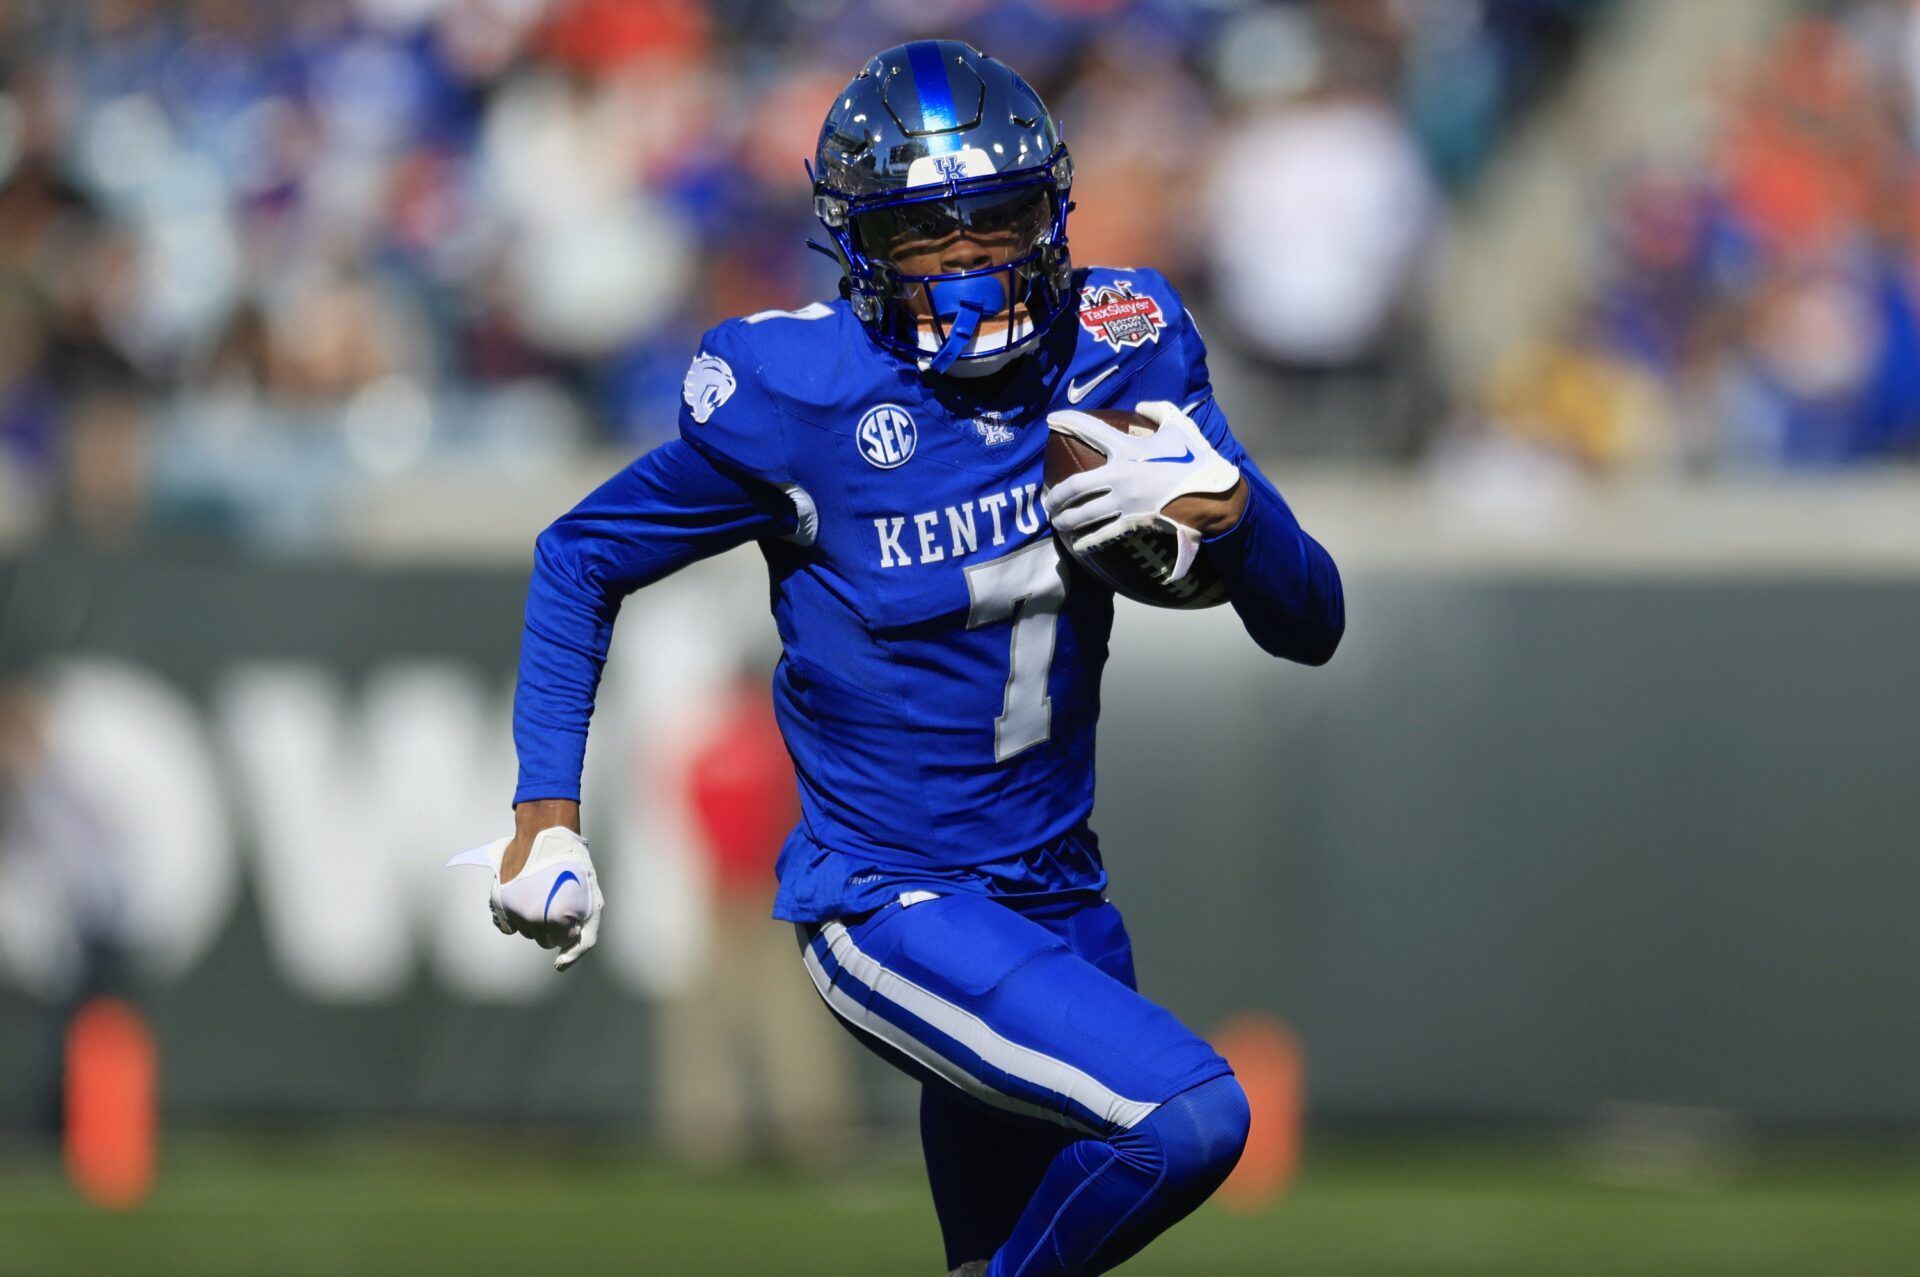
[(1142, 475), (554, 900)]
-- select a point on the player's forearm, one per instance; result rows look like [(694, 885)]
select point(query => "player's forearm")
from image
[(1212, 516), (666, 510), (563, 648), (1281, 581)]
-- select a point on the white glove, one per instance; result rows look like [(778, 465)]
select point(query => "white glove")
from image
[(555, 899), (1142, 475)]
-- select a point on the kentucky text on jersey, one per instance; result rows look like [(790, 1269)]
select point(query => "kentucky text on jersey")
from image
[(940, 677), (963, 524)]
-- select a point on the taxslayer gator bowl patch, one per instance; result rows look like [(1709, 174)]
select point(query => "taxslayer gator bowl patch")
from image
[(1112, 313)]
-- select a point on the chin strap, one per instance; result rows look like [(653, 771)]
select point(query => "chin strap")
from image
[(961, 304)]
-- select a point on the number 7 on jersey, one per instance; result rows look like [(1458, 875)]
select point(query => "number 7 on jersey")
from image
[(1028, 587)]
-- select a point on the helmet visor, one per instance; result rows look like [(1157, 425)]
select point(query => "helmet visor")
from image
[(945, 235)]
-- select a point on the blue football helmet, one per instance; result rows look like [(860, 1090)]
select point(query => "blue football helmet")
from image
[(933, 145)]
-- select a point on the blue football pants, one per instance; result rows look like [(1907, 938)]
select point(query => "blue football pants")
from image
[(1066, 1120)]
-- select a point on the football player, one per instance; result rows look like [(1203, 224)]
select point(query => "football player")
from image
[(941, 674)]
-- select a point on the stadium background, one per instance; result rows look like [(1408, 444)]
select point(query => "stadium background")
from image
[(1583, 332)]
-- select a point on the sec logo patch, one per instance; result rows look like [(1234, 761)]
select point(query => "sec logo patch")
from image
[(887, 435)]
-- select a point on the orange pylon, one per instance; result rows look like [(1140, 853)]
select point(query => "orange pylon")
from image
[(112, 1104), (1267, 1058)]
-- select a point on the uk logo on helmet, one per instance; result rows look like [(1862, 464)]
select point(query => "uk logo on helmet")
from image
[(887, 435), (954, 166)]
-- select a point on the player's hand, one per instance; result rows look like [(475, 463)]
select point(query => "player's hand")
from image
[(554, 900), (1143, 477)]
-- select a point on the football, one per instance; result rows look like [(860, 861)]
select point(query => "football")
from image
[(1136, 564)]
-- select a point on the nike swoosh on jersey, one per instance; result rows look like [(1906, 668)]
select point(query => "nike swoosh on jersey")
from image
[(1077, 391)]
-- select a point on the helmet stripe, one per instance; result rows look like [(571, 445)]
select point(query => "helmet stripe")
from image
[(930, 82)]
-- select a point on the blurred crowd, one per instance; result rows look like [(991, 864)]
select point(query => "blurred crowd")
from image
[(1757, 305), (255, 256)]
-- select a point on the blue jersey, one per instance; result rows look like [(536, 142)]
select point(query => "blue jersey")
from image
[(940, 682)]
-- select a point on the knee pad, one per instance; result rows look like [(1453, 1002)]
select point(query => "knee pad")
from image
[(1196, 1137)]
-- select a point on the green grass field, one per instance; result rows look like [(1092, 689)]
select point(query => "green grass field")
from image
[(287, 1208)]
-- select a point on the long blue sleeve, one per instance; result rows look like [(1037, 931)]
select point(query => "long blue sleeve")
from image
[(1281, 581), (666, 510)]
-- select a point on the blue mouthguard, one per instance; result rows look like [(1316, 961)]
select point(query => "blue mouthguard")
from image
[(961, 304)]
